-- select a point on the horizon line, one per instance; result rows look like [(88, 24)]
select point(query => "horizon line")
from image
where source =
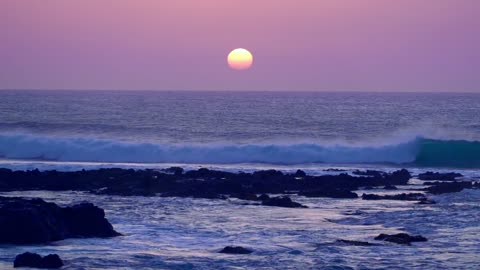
[(251, 90)]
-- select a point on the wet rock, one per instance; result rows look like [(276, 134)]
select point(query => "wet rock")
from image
[(390, 187), (27, 259), (87, 220), (427, 201), (28, 221), (447, 187), (330, 193), (282, 201), (399, 197), (300, 173), (263, 197), (334, 170), (401, 238), (201, 183), (368, 173), (174, 170), (235, 250), (355, 243), (428, 176)]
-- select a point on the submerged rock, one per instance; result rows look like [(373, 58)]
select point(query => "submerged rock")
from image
[(28, 221), (401, 238), (27, 259), (355, 243), (399, 197), (447, 187), (330, 193), (235, 250), (439, 176), (282, 201)]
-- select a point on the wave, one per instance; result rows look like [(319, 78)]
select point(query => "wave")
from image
[(418, 151)]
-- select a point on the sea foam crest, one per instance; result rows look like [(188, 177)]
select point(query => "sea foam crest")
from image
[(418, 150)]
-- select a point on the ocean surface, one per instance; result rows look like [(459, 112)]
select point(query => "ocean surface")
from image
[(247, 131), (238, 129)]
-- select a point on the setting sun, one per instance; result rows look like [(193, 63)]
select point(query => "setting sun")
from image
[(240, 59)]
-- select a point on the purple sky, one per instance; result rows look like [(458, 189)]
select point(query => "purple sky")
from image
[(331, 45)]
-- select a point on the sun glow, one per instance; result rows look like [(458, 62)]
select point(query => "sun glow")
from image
[(240, 59)]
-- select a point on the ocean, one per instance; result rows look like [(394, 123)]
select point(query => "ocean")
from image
[(248, 131), (239, 129)]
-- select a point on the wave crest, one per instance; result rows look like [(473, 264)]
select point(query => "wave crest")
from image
[(418, 151)]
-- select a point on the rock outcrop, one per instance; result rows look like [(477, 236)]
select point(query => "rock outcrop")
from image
[(33, 260), (29, 221)]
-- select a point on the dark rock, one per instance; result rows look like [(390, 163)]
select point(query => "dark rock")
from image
[(201, 183), (390, 187), (87, 220), (174, 170), (427, 201), (28, 221), (399, 197), (368, 173), (263, 197), (447, 187), (334, 170), (27, 259), (282, 201), (355, 243), (235, 250), (401, 238), (330, 193), (300, 173), (51, 261), (439, 176)]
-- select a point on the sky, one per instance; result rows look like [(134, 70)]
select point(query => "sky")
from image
[(317, 45)]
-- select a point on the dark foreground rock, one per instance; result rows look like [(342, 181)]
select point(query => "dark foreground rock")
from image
[(235, 250), (27, 259), (429, 176), (401, 238), (399, 197), (29, 221), (281, 201)]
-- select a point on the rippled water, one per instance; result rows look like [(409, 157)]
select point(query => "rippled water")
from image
[(182, 233)]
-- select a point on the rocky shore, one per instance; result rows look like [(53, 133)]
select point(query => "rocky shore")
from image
[(34, 221)]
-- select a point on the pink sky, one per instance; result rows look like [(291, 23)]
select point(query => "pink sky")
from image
[(331, 45)]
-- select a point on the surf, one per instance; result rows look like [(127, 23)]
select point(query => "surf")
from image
[(417, 151)]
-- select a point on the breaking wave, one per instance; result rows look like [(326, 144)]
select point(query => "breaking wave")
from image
[(418, 151)]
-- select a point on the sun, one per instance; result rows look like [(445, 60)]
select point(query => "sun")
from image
[(240, 59)]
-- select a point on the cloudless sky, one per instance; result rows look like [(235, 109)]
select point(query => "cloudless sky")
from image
[(330, 45)]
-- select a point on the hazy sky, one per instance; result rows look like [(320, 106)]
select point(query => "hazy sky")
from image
[(371, 45)]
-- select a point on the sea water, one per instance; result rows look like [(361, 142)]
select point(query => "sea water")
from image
[(71, 130)]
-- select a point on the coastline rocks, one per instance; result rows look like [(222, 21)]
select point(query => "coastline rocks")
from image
[(447, 187), (27, 259), (330, 193), (29, 221), (281, 201), (429, 176), (201, 183), (235, 250), (399, 197), (400, 238)]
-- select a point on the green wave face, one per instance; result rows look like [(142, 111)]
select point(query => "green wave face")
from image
[(448, 153)]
